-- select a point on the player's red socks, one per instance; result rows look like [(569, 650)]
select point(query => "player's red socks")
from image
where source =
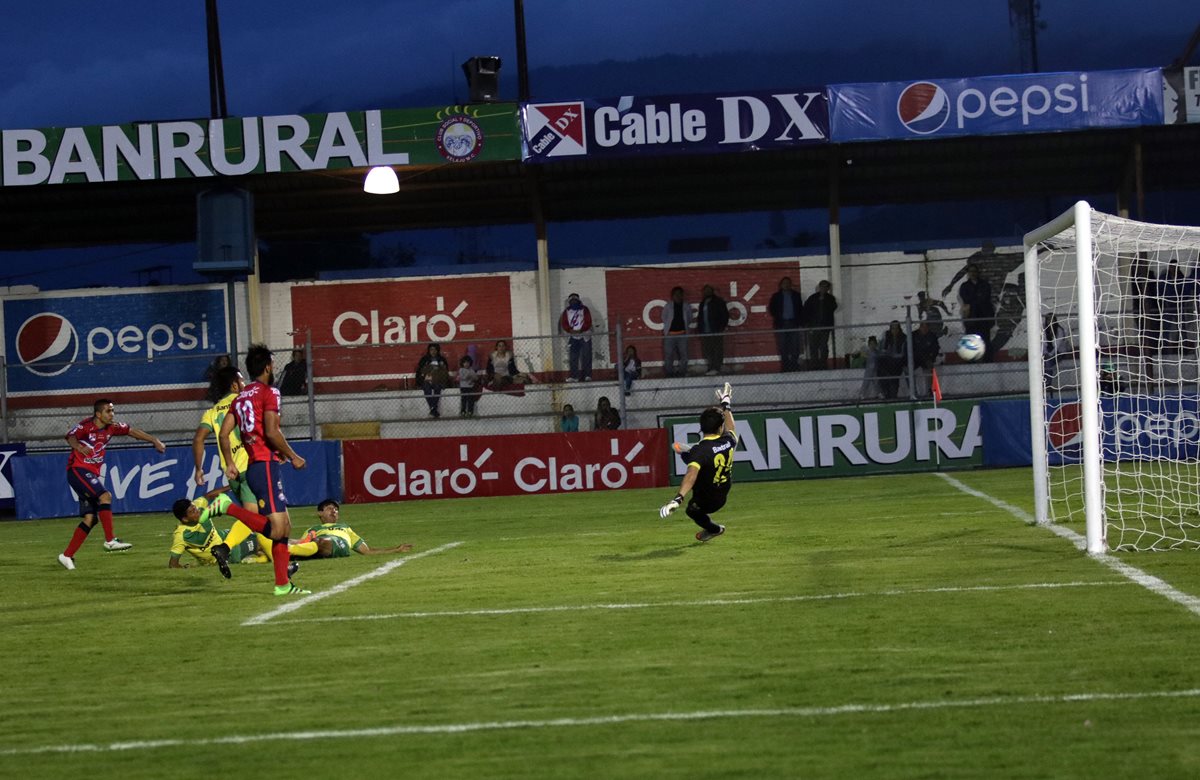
[(81, 533), (280, 557), (259, 524), (106, 521)]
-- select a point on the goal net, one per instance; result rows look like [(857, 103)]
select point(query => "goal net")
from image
[(1115, 398)]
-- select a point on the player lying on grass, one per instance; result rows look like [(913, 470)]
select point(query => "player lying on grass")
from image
[(709, 468), (196, 535), (332, 539)]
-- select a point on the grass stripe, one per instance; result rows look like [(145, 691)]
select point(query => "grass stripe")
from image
[(1130, 572), (608, 720), (702, 603), (292, 606)]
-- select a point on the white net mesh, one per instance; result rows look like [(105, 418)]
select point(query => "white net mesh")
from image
[(1147, 290)]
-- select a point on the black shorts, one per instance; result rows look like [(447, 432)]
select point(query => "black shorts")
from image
[(707, 504)]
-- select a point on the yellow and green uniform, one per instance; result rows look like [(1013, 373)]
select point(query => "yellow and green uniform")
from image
[(342, 536), (212, 420), (199, 539)]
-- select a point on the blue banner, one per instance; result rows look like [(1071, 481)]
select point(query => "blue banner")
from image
[(1131, 429), (98, 341), (623, 126), (7, 493), (141, 480), (1006, 437), (996, 105)]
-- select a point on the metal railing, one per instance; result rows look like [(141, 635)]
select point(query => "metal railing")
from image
[(373, 391)]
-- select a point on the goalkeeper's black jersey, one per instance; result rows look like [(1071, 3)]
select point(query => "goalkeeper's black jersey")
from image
[(713, 455)]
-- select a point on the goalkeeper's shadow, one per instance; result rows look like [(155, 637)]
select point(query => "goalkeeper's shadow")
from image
[(662, 552)]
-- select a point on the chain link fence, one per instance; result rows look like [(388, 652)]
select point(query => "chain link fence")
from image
[(531, 384)]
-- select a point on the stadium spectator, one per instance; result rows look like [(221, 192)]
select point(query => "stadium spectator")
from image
[(709, 468), (712, 319), (606, 417), (676, 321), (1055, 346), (979, 313), (576, 323), (433, 372), (892, 360), (818, 317), (294, 380), (631, 365), (869, 355), (469, 386), (786, 309), (569, 422), (931, 309), (926, 349), (88, 440), (502, 367), (219, 362), (256, 414), (222, 391), (331, 538)]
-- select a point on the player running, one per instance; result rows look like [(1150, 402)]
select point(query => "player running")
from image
[(226, 383), (89, 440), (332, 539), (709, 468), (255, 412)]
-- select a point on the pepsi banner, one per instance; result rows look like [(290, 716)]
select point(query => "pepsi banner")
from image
[(1131, 429), (93, 341), (142, 480), (996, 105), (624, 126)]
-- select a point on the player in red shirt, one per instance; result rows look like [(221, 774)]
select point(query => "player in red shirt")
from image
[(256, 413), (88, 440)]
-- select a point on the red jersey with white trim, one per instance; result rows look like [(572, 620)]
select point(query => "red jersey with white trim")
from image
[(87, 432), (249, 409)]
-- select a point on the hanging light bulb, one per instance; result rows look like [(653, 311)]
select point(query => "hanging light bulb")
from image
[(381, 181)]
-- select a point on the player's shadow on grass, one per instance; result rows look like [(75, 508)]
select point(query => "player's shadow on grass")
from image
[(664, 552)]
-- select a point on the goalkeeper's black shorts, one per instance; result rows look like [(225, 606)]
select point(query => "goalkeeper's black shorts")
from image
[(707, 504)]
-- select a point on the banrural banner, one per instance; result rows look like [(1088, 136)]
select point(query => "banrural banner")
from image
[(201, 148), (845, 441)]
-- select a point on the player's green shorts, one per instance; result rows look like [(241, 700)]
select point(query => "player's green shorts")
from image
[(240, 490), (341, 548), (246, 549)]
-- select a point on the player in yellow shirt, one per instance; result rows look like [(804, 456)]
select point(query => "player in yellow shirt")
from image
[(332, 539), (196, 535), (226, 383)]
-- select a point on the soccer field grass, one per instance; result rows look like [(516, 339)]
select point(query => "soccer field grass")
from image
[(865, 627)]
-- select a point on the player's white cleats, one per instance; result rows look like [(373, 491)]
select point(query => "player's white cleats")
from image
[(67, 562), (666, 509), (723, 395), (116, 545)]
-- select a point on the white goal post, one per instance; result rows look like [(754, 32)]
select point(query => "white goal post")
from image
[(1113, 313)]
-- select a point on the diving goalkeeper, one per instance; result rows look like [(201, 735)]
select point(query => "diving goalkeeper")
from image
[(709, 468)]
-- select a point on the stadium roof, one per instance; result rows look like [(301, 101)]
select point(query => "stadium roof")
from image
[(300, 205)]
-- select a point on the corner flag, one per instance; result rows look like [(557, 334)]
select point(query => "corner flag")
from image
[(936, 387)]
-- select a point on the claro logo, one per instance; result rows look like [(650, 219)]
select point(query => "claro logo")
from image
[(356, 328)]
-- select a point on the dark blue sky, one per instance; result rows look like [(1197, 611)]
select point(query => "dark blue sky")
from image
[(72, 63)]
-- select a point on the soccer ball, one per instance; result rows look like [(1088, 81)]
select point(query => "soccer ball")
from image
[(970, 347)]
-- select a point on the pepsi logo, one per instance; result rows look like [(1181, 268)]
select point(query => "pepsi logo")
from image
[(923, 107), (47, 344), (1064, 429)]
